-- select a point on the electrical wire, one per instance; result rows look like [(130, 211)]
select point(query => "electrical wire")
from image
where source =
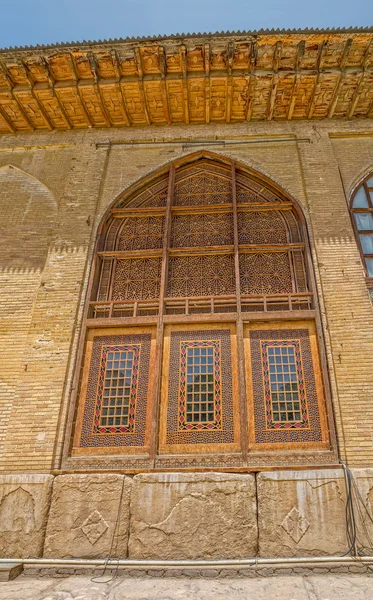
[(96, 578), (357, 515)]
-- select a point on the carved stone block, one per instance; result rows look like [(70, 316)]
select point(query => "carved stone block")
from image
[(89, 517), (192, 516), (362, 496), (301, 513), (24, 504)]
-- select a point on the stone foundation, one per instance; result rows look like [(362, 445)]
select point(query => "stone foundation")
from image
[(177, 516), (301, 513), (193, 516), (24, 506), (89, 517)]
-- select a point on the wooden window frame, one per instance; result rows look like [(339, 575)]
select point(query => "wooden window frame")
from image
[(367, 189), (236, 317)]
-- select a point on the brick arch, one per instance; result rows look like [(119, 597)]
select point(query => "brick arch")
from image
[(28, 210)]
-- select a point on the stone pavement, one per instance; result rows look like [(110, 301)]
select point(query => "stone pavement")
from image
[(281, 587)]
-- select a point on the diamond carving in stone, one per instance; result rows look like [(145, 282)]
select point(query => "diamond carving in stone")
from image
[(94, 527), (295, 524)]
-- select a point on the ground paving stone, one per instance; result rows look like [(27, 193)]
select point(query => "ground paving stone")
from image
[(281, 587)]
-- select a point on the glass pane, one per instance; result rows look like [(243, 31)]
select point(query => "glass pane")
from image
[(364, 221), (371, 196), (360, 200), (370, 182), (369, 263), (367, 243)]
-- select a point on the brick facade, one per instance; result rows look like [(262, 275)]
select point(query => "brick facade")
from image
[(52, 200)]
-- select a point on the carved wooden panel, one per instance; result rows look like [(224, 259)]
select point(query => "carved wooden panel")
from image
[(227, 78), (202, 230), (137, 279), (203, 186), (209, 275), (263, 227), (266, 273), (141, 233)]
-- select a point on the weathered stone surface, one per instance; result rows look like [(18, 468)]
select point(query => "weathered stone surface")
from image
[(191, 516), (24, 503), (301, 513), (362, 494), (83, 516)]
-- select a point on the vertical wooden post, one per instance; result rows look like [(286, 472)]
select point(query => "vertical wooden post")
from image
[(239, 328), (160, 324)]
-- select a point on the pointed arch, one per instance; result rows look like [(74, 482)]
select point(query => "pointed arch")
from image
[(361, 211), (28, 210), (196, 266)]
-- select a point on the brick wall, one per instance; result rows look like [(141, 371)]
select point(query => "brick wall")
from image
[(51, 205)]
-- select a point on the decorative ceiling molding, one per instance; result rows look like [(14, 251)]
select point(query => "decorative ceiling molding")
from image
[(191, 79)]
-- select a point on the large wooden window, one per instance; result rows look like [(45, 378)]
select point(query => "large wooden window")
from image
[(362, 215), (197, 254)]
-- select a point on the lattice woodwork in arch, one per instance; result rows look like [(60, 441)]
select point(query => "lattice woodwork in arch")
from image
[(202, 230), (142, 233), (267, 273), (185, 260), (206, 275), (137, 279), (208, 271), (203, 184)]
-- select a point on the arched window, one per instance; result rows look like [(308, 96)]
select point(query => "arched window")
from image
[(201, 335), (362, 213)]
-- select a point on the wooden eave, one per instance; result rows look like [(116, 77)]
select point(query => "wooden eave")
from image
[(188, 79)]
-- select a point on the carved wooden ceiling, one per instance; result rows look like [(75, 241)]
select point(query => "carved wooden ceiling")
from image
[(181, 80)]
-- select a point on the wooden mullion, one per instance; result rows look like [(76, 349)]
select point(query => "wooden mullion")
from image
[(370, 203), (239, 328), (160, 321)]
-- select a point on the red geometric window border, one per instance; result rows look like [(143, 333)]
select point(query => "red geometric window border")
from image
[(217, 424), (264, 432), (224, 435), (130, 428), (270, 423), (92, 434)]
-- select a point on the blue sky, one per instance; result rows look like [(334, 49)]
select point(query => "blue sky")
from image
[(25, 22)]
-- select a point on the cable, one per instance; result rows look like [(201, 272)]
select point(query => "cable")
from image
[(356, 507), (95, 579)]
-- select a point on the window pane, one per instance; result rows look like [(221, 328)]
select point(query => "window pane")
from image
[(284, 388), (370, 182), (360, 200), (200, 407), (369, 263), (364, 221), (367, 243)]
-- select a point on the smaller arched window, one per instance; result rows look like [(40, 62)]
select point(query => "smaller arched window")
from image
[(362, 213)]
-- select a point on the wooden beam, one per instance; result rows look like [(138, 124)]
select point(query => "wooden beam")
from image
[(334, 101), (272, 98), (8, 122), (41, 108), (229, 83), (141, 85), (22, 111), (165, 99), (207, 83), (356, 96), (277, 56), (293, 97), (346, 51), (297, 80), (311, 106), (185, 84)]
